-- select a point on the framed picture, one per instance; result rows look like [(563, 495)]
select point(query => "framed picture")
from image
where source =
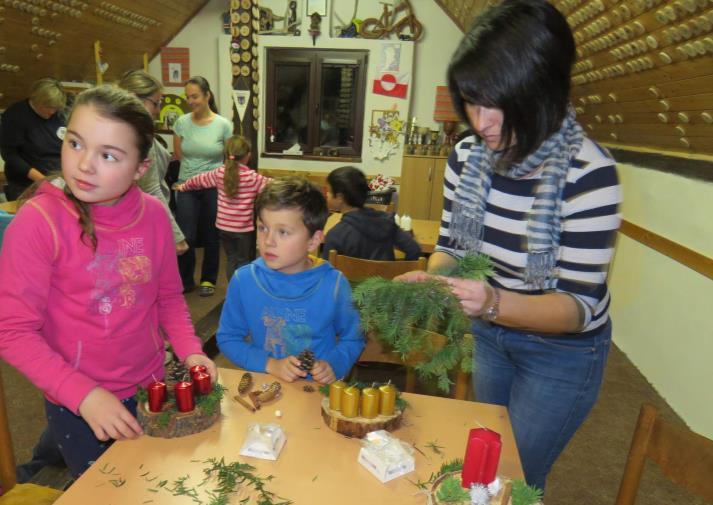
[(318, 6)]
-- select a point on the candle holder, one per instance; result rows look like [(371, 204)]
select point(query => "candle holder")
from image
[(358, 412), (167, 421)]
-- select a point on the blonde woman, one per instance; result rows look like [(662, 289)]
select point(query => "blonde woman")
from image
[(147, 88), (32, 133), (237, 186)]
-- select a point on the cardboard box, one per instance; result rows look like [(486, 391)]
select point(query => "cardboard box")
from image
[(373, 457)]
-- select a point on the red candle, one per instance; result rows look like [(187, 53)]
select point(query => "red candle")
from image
[(201, 383), (184, 396), (197, 369), (482, 456), (157, 395)]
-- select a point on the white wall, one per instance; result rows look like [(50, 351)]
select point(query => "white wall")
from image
[(660, 308)]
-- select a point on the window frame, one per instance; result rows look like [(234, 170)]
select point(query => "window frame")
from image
[(316, 60)]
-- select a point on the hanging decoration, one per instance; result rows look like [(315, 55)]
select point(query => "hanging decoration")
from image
[(314, 26)]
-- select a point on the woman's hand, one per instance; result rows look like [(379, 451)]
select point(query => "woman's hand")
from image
[(202, 359), (474, 296), (107, 416), (181, 247), (322, 372), (287, 369), (414, 276)]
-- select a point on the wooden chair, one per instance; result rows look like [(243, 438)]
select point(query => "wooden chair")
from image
[(683, 456), (16, 494), (357, 269), (383, 207)]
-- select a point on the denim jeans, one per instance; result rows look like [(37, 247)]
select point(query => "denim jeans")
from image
[(548, 383), (196, 210), (75, 439)]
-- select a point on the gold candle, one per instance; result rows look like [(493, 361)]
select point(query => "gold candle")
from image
[(387, 399), (369, 403), (335, 395), (350, 402)]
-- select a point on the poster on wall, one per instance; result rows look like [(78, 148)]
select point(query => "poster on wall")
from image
[(391, 84), (390, 58), (175, 68)]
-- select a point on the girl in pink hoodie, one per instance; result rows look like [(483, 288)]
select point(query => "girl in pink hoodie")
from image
[(90, 281)]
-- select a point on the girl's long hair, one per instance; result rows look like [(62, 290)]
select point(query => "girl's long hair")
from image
[(236, 147), (111, 103)]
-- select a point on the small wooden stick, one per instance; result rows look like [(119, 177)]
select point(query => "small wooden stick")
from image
[(244, 403), (254, 398)]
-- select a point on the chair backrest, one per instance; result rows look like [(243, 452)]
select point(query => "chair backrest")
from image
[(383, 207), (7, 456), (356, 269), (683, 456)]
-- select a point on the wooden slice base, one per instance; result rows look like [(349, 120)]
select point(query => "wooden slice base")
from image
[(502, 498), (179, 424), (358, 426)]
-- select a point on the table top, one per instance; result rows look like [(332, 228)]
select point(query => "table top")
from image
[(316, 466), (424, 231), (10, 207)]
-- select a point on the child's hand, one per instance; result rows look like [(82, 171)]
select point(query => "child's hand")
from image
[(108, 417), (322, 372), (287, 369), (178, 187), (202, 359)]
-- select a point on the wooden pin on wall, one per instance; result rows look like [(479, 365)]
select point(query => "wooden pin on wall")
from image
[(146, 62)]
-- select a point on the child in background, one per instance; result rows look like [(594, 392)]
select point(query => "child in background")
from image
[(90, 281), (237, 186), (362, 232), (287, 301)]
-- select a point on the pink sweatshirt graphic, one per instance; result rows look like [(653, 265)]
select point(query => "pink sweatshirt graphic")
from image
[(72, 319)]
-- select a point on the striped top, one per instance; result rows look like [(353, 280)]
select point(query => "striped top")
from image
[(590, 219), (234, 214)]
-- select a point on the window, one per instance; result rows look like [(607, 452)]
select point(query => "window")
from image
[(315, 98)]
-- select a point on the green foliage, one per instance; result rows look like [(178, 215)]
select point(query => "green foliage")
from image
[(452, 492), (455, 465), (522, 494), (141, 395), (210, 402), (165, 417)]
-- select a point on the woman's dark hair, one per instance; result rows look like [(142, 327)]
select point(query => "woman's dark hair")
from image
[(349, 182), (295, 193), (202, 83), (517, 57)]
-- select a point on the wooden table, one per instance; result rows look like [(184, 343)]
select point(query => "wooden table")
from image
[(317, 465), (424, 231), (10, 207)]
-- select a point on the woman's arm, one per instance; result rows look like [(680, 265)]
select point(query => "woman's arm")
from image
[(177, 153)]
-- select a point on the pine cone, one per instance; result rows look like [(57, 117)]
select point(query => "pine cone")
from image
[(245, 382), (307, 360), (260, 397)]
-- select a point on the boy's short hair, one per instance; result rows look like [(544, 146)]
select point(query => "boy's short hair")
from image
[(295, 193)]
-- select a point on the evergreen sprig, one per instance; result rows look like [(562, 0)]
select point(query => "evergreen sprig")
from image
[(522, 494), (398, 312), (451, 491)]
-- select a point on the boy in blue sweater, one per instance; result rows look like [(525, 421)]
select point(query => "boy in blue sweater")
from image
[(287, 300)]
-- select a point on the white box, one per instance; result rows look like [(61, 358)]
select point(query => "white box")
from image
[(264, 441), (382, 470)]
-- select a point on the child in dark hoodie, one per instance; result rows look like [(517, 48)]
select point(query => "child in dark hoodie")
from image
[(362, 232)]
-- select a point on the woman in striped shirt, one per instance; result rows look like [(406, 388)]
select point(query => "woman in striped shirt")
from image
[(529, 190), (237, 186)]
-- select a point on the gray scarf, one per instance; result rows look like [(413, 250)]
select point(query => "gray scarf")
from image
[(543, 226)]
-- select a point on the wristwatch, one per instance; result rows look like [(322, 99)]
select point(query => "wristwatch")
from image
[(493, 311)]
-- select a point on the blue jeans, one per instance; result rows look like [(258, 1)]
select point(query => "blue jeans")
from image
[(75, 439), (196, 210), (548, 383)]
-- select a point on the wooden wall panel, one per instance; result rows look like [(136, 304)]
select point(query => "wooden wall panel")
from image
[(54, 38), (644, 73)]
